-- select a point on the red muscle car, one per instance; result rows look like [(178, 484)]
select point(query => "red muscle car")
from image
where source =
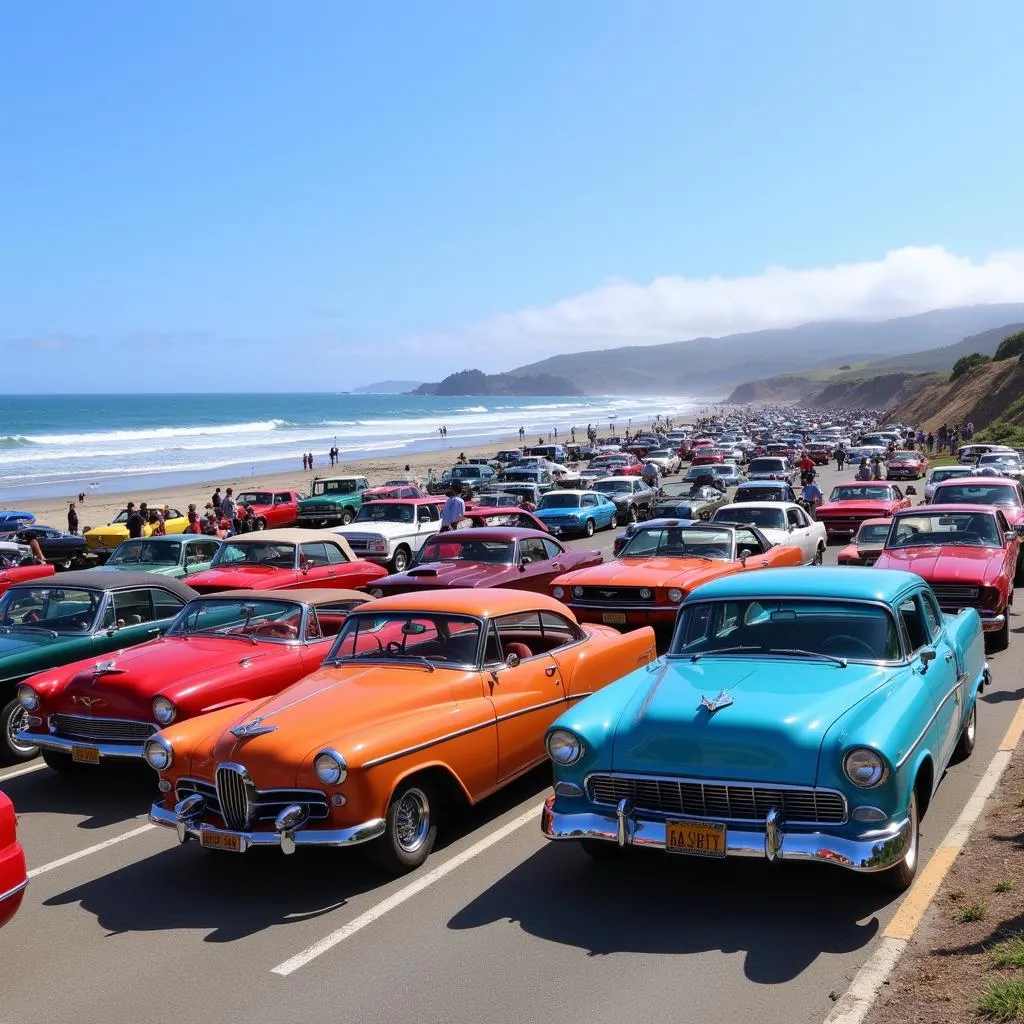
[(850, 504), (13, 876), (223, 649), (1003, 492), (868, 543), (492, 557), (519, 517), (285, 559), (967, 553), (273, 509), (707, 456), (906, 465)]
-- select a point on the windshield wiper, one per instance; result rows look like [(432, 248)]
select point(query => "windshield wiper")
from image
[(841, 662), (226, 636), (35, 629), (384, 656), (697, 655)]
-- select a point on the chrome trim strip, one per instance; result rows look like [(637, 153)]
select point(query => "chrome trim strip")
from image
[(935, 714), (526, 711), (46, 741), (580, 696), (4, 896), (429, 743)]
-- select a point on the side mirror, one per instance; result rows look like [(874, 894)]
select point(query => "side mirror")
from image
[(1011, 535), (304, 566), (511, 661), (928, 655), (911, 490)]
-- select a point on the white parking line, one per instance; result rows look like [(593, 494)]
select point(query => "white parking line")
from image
[(22, 771), (43, 868), (398, 898)]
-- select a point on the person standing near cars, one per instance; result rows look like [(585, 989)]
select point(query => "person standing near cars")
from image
[(840, 457), (454, 509), (229, 509), (811, 495), (134, 521), (72, 519)]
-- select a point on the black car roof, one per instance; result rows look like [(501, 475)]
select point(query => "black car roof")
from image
[(89, 580)]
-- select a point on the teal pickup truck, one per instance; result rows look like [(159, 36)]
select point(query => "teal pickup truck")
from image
[(332, 501)]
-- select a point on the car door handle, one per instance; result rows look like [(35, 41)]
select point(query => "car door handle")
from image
[(157, 630), (550, 670), (949, 655), (556, 565)]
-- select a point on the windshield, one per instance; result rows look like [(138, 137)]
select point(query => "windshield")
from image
[(949, 472), (613, 486), (660, 453), (977, 494), (769, 465), (903, 457), (121, 517), (334, 487), (875, 533), (378, 513), (999, 460), (444, 641), (761, 494), (256, 498), (970, 529), (765, 518), (264, 620), (268, 553), (70, 610), (465, 472), (445, 548), (560, 501), (855, 492), (153, 552), (790, 627), (679, 542)]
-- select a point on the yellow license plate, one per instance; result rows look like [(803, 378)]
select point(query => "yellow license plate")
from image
[(614, 618), (220, 841), (697, 838), (85, 755)]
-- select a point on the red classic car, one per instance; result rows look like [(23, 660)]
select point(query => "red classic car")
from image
[(13, 876), (223, 649), (707, 456), (1003, 492), (273, 509), (868, 543), (906, 465), (502, 557), (628, 469), (519, 517), (967, 553), (285, 559), (390, 491), (14, 574), (850, 504)]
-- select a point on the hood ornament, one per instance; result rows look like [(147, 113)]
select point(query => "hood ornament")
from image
[(253, 728), (107, 668), (723, 700), (90, 702)]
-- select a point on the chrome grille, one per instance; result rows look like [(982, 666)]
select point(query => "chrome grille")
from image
[(265, 805), (800, 805), (957, 596), (234, 789), (615, 595), (114, 730)]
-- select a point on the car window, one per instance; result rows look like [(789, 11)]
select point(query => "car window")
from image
[(335, 556), (558, 629), (520, 634), (932, 615), (589, 500), (282, 498), (132, 607), (748, 540), (913, 625), (551, 549), (204, 550), (314, 554), (793, 517), (533, 549)]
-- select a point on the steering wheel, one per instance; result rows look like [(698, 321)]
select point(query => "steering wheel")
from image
[(394, 647), (845, 641)]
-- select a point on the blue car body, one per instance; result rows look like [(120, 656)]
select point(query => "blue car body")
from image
[(12, 520), (562, 517), (754, 752)]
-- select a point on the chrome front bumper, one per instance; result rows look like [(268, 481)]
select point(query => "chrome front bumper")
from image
[(990, 622), (185, 820), (47, 741), (873, 851)]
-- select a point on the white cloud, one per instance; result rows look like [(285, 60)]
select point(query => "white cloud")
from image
[(911, 280)]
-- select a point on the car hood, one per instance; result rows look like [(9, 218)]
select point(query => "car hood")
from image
[(772, 732), (645, 572), (19, 642), (557, 513), (854, 508), (244, 577), (377, 529), (449, 574), (952, 564), (159, 568), (172, 666)]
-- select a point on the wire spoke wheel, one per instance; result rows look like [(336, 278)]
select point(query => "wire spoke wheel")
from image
[(412, 820)]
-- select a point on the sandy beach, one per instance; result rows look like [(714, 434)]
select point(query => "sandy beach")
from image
[(100, 507)]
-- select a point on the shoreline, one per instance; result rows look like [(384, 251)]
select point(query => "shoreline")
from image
[(101, 506)]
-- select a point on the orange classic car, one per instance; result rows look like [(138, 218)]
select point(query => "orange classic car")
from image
[(663, 560), (425, 700)]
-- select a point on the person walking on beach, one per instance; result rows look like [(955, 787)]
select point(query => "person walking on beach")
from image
[(72, 519), (134, 521), (215, 500), (454, 509), (228, 508)]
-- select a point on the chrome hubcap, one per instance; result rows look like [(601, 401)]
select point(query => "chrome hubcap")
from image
[(15, 722), (412, 820)]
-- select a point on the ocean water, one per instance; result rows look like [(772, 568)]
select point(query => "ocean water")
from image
[(62, 444)]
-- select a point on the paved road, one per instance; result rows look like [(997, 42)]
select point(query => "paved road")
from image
[(500, 926)]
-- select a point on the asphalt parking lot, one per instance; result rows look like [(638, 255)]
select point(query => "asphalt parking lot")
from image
[(120, 924)]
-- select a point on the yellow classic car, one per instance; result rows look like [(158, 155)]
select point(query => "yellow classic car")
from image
[(104, 539)]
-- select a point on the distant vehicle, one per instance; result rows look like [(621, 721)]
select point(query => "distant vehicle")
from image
[(940, 473), (582, 512)]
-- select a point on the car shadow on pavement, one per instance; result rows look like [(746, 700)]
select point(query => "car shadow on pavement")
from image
[(102, 796), (782, 917)]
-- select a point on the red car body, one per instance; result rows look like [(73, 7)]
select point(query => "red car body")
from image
[(275, 509), (286, 560), (102, 708), (707, 456), (906, 465), (396, 491), (23, 574), (533, 561), (868, 543), (13, 875), (517, 517), (629, 469), (850, 504), (963, 576), (1001, 491)]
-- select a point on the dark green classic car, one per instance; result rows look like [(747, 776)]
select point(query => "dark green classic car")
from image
[(60, 619)]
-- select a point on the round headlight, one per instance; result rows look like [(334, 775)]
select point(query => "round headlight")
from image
[(164, 710), (28, 698), (376, 592), (558, 592), (645, 594), (330, 767), (864, 768), (158, 753), (564, 747), (675, 595), (577, 591)]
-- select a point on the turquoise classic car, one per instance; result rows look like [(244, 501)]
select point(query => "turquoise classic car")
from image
[(176, 555), (800, 715), (59, 619), (581, 512)]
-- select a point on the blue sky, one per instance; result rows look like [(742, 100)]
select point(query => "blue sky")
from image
[(409, 189)]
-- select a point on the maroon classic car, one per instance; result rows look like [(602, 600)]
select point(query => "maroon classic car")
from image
[(490, 557), (850, 504), (285, 560), (223, 649), (482, 516), (13, 876), (967, 553)]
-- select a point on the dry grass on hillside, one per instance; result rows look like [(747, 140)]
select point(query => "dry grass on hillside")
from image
[(980, 396)]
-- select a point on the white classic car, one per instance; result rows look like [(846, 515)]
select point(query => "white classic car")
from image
[(781, 522), (391, 532)]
